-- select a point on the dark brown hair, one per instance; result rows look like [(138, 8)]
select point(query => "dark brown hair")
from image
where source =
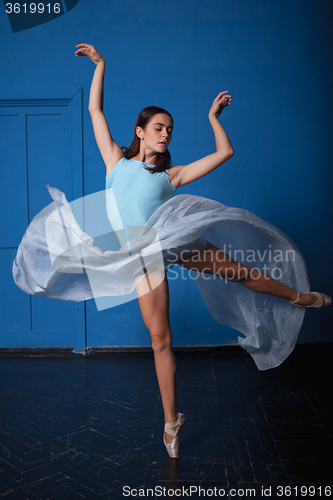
[(163, 161)]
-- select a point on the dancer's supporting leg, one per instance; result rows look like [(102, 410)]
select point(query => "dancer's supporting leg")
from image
[(154, 307), (213, 260)]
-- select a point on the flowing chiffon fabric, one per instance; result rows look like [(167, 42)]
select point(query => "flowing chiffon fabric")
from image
[(70, 252)]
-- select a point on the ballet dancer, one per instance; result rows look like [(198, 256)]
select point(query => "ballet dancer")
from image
[(152, 136)]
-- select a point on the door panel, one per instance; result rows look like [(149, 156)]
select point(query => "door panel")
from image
[(13, 178), (48, 156)]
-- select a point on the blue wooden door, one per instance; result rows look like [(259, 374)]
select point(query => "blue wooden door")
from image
[(41, 143)]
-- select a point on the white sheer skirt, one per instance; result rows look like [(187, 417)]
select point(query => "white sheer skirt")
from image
[(70, 252)]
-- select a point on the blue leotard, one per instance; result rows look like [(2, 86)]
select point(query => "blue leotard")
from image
[(136, 193)]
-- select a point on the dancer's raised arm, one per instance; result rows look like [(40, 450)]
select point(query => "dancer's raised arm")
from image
[(109, 149), (184, 174)]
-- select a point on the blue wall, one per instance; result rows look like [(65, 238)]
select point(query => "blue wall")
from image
[(274, 57)]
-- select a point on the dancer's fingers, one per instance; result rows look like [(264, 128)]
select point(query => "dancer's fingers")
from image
[(83, 51), (84, 48), (80, 53), (222, 94)]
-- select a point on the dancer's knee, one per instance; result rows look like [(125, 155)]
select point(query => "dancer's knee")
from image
[(237, 273), (243, 274), (161, 341)]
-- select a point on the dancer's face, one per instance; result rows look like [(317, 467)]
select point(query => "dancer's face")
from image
[(158, 133)]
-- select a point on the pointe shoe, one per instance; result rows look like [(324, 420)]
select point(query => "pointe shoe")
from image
[(173, 447), (322, 300)]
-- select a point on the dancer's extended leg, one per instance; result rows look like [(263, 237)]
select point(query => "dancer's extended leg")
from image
[(154, 307), (213, 260)]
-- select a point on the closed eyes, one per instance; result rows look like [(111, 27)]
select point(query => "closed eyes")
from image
[(169, 131)]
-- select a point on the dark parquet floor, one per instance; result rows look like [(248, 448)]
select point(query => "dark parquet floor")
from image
[(85, 427)]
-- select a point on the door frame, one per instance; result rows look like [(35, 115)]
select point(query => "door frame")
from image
[(28, 97)]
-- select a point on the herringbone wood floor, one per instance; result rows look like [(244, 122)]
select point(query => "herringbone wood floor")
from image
[(84, 427)]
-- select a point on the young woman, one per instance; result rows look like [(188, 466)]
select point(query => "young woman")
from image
[(142, 185), (153, 134)]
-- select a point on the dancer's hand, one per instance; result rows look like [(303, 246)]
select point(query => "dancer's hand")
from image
[(90, 51), (219, 103)]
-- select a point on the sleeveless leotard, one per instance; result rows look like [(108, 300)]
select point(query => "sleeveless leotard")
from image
[(135, 195)]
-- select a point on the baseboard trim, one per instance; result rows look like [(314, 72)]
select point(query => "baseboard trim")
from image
[(112, 351), (226, 349)]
